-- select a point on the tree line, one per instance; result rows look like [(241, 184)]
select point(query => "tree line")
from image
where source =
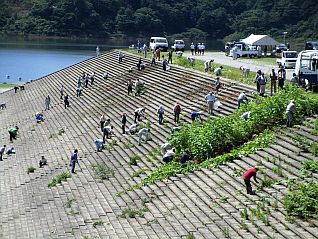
[(185, 18)]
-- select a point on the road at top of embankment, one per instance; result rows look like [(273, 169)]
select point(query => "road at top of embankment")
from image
[(253, 65)]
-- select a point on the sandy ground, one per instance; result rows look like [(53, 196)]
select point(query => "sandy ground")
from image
[(220, 58)]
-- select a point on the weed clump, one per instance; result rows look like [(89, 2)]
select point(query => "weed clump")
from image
[(59, 178)]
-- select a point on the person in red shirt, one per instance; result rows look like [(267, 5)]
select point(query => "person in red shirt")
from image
[(247, 179)]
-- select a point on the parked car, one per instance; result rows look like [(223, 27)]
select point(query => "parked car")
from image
[(310, 45), (288, 59), (280, 48), (178, 45), (158, 43)]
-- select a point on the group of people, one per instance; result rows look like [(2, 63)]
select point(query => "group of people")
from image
[(197, 49)]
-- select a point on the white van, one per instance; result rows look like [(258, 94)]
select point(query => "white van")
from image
[(158, 42)]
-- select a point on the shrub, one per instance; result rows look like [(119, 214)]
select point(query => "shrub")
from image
[(98, 223), (132, 213), (219, 135), (311, 165), (102, 172), (31, 169), (59, 178), (133, 159), (302, 200), (314, 149), (61, 131)]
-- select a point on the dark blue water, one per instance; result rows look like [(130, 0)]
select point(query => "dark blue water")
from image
[(32, 59)]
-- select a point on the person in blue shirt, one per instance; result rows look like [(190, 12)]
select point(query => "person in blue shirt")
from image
[(195, 115), (74, 160)]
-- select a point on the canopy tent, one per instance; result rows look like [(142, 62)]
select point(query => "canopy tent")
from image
[(260, 40)]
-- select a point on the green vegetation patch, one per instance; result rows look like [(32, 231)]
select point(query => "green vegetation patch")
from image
[(311, 165), (133, 213), (220, 135), (173, 168), (59, 178), (31, 169), (302, 200), (5, 85), (102, 172)]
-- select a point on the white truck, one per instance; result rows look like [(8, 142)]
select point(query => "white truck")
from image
[(241, 49), (288, 59), (158, 43), (178, 45)]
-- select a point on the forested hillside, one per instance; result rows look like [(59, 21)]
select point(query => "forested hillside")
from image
[(213, 18)]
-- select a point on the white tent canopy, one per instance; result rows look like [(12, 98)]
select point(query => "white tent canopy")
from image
[(260, 40)]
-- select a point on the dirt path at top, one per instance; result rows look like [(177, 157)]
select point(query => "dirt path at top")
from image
[(220, 58)]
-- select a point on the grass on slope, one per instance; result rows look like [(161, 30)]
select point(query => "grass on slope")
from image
[(7, 85)]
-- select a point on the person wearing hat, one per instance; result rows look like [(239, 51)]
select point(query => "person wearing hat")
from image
[(247, 179), (192, 48), (210, 98), (289, 113)]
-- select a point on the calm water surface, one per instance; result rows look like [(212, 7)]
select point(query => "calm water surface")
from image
[(32, 59)]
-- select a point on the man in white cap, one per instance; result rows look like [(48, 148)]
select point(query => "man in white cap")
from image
[(289, 112), (192, 48), (210, 98)]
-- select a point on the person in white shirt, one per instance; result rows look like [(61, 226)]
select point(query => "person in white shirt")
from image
[(246, 115), (143, 132), (245, 71), (133, 128), (202, 48), (242, 99), (168, 156), (210, 98), (289, 112), (138, 113), (192, 46), (164, 148), (218, 71), (99, 144), (107, 132), (2, 149), (191, 60), (208, 65)]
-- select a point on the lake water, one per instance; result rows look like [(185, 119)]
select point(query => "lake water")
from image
[(32, 59)]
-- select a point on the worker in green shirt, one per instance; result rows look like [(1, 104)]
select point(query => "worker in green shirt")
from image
[(13, 132)]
